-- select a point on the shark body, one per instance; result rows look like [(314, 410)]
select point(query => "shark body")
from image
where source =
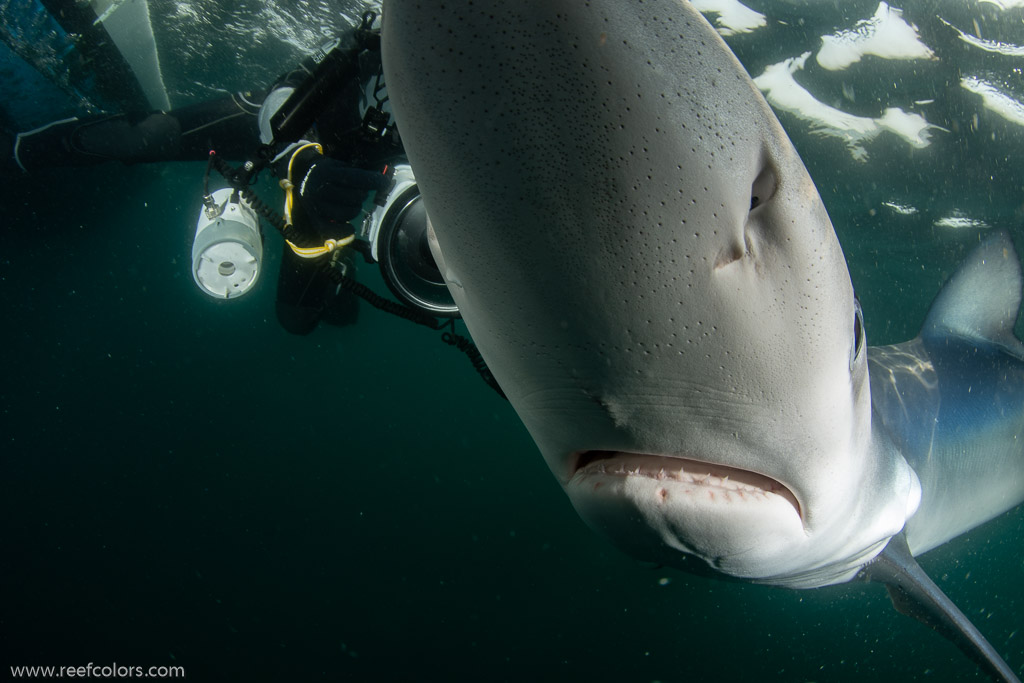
[(952, 399), (651, 276)]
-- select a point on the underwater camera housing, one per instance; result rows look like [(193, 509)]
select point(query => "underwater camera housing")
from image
[(397, 233), (228, 247)]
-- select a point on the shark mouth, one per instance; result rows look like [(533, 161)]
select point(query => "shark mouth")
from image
[(732, 482)]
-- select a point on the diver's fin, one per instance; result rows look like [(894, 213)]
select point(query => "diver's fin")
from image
[(982, 298), (916, 595)]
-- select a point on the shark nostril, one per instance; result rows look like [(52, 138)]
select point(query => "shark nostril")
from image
[(729, 254)]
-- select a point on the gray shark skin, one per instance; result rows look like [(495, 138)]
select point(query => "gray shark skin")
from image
[(650, 274)]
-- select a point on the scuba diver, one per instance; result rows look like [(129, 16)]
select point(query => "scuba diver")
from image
[(324, 129)]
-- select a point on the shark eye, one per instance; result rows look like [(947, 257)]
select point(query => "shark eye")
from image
[(858, 332)]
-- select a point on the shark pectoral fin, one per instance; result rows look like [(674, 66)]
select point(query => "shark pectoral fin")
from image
[(916, 595), (981, 300)]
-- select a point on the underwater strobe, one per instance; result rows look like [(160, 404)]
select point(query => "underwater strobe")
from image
[(397, 233), (228, 247)]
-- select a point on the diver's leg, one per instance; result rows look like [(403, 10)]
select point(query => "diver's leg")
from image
[(227, 124), (94, 140)]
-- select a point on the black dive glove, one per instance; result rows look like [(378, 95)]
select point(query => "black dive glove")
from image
[(328, 193)]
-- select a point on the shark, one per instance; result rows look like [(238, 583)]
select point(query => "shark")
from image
[(649, 272)]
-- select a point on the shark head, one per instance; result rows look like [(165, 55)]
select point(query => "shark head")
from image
[(649, 272)]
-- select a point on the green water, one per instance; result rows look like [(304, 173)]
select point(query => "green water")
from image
[(185, 484)]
